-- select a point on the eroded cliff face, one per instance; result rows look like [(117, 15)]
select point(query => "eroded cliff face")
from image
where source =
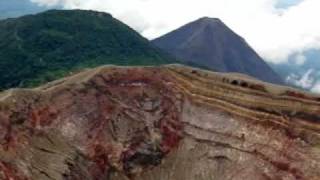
[(159, 123)]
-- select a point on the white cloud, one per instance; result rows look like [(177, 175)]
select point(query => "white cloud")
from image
[(299, 59), (275, 33), (316, 88), (306, 81)]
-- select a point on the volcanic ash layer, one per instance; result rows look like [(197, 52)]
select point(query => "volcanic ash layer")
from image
[(159, 123)]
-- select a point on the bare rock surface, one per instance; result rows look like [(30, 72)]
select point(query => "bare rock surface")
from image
[(159, 123)]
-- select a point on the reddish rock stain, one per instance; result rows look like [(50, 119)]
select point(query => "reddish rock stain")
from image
[(9, 173), (43, 116)]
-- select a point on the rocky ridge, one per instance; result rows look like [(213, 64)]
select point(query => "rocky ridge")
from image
[(154, 123)]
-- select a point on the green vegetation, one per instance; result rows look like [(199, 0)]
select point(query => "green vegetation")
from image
[(39, 48)]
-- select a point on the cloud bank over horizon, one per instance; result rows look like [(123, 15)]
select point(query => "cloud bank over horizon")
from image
[(277, 29)]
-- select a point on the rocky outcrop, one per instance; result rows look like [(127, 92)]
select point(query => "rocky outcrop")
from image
[(159, 123)]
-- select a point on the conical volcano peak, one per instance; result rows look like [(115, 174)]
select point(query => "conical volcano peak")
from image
[(210, 20), (210, 43)]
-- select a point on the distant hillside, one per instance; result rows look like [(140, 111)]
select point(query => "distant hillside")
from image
[(209, 42), (38, 48)]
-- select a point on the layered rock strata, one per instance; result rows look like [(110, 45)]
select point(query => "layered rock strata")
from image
[(159, 123)]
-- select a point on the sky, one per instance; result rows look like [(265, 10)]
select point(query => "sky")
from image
[(276, 29), (12, 8), (281, 31), (15, 8)]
